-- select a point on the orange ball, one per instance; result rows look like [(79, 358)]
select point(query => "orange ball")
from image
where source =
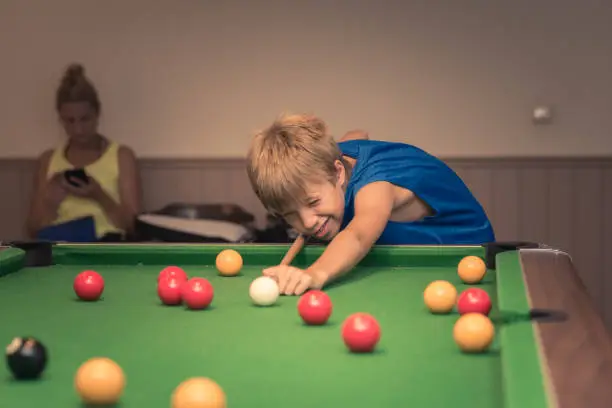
[(229, 262), (440, 296), (474, 332), (100, 381), (198, 392), (471, 269)]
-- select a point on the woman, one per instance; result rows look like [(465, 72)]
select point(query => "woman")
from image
[(104, 205)]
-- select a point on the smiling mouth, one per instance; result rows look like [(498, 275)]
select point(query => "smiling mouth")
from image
[(322, 230)]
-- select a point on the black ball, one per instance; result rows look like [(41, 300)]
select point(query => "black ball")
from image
[(26, 357)]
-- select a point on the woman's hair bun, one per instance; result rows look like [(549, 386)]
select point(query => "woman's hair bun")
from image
[(75, 70), (75, 87), (74, 74)]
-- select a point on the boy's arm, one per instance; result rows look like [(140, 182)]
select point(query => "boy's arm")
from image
[(374, 204)]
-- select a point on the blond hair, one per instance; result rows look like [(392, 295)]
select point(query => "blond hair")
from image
[(288, 155)]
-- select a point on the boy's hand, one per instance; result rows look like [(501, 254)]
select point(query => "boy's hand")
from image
[(292, 280)]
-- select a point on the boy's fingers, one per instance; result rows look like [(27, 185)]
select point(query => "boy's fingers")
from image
[(282, 282), (269, 272), (302, 286), (292, 282)]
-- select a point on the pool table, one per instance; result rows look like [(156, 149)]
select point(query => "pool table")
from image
[(551, 348)]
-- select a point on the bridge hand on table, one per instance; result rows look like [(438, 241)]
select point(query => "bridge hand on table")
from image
[(291, 280)]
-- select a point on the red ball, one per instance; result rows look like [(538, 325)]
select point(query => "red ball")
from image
[(197, 293), (88, 285), (172, 272), (169, 291), (315, 307), (361, 332), (474, 300)]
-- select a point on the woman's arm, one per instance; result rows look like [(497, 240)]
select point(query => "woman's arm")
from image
[(122, 214), (42, 208)]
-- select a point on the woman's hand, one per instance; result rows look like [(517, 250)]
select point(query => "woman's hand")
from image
[(54, 191), (91, 189)]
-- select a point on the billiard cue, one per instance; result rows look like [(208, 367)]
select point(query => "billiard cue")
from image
[(293, 250)]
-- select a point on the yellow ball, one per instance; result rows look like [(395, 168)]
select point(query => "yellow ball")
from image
[(229, 262), (440, 296), (198, 392), (99, 381), (474, 332), (471, 269)]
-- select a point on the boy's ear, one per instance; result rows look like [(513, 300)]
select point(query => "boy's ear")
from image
[(340, 172)]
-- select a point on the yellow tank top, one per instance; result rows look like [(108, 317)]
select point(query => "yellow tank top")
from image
[(105, 171)]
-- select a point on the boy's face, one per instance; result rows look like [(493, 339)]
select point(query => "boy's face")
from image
[(321, 215)]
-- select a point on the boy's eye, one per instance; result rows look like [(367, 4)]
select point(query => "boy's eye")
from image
[(312, 203)]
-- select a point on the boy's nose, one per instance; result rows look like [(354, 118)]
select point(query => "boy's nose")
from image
[(309, 221)]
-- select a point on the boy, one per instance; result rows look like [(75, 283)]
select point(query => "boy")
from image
[(355, 194)]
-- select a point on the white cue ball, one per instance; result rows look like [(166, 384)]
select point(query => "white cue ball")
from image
[(264, 291)]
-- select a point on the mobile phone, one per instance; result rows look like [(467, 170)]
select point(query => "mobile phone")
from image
[(76, 174)]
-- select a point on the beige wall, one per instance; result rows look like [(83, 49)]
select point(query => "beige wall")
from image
[(193, 78)]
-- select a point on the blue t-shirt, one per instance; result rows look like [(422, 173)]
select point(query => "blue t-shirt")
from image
[(458, 218)]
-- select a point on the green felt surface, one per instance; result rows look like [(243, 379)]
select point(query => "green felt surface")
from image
[(524, 385), (11, 260), (266, 356)]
